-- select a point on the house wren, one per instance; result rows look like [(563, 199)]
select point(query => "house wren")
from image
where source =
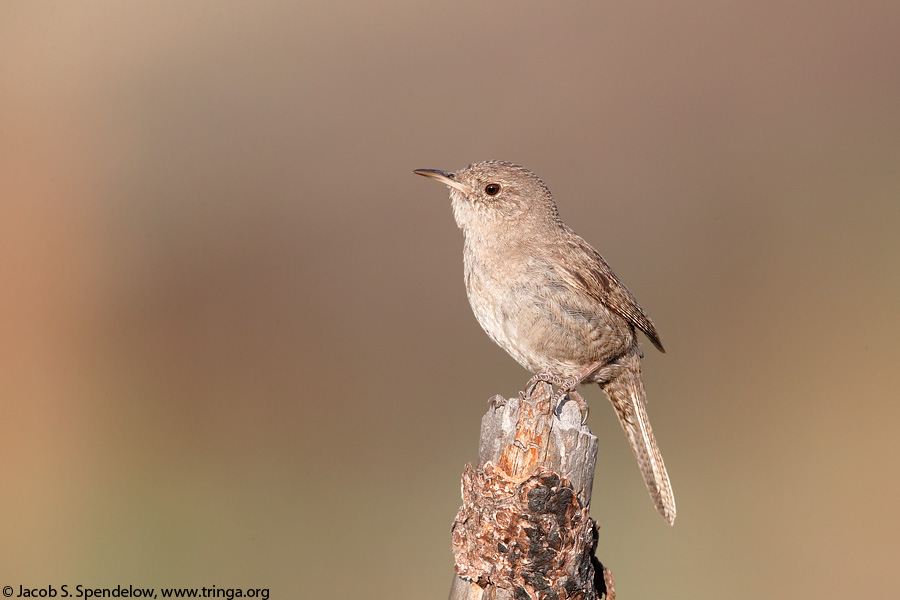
[(550, 300)]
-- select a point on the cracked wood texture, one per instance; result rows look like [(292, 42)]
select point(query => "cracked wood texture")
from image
[(524, 530)]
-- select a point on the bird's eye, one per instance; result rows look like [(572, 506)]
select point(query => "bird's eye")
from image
[(492, 189)]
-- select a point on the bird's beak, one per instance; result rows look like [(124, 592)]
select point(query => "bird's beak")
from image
[(444, 177)]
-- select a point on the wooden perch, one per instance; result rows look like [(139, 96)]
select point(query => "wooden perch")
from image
[(524, 529)]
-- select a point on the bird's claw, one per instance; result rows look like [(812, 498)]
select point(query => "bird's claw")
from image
[(497, 401), (565, 387), (559, 399)]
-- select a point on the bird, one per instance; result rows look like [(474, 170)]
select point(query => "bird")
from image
[(551, 301)]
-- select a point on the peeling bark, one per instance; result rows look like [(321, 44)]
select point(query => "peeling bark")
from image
[(524, 529)]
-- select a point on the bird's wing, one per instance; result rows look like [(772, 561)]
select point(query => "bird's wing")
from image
[(586, 270)]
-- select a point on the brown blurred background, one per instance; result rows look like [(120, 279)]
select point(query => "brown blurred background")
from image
[(236, 348)]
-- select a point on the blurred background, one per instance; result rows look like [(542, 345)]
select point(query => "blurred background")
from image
[(236, 347)]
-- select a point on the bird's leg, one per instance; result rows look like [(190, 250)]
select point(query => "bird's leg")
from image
[(546, 378), (567, 386)]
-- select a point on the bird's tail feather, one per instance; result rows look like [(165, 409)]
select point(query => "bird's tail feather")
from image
[(626, 392)]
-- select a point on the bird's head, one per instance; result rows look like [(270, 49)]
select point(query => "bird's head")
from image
[(494, 193)]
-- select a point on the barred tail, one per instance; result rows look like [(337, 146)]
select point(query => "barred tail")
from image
[(626, 392)]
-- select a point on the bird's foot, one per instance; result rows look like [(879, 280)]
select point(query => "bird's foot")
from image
[(559, 382), (565, 386), (560, 398), (496, 401)]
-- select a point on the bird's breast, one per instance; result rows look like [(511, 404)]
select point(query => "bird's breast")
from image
[(546, 325)]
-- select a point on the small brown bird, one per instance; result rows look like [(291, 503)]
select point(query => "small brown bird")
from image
[(550, 300)]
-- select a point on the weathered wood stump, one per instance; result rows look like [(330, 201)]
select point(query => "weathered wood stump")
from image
[(524, 529)]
